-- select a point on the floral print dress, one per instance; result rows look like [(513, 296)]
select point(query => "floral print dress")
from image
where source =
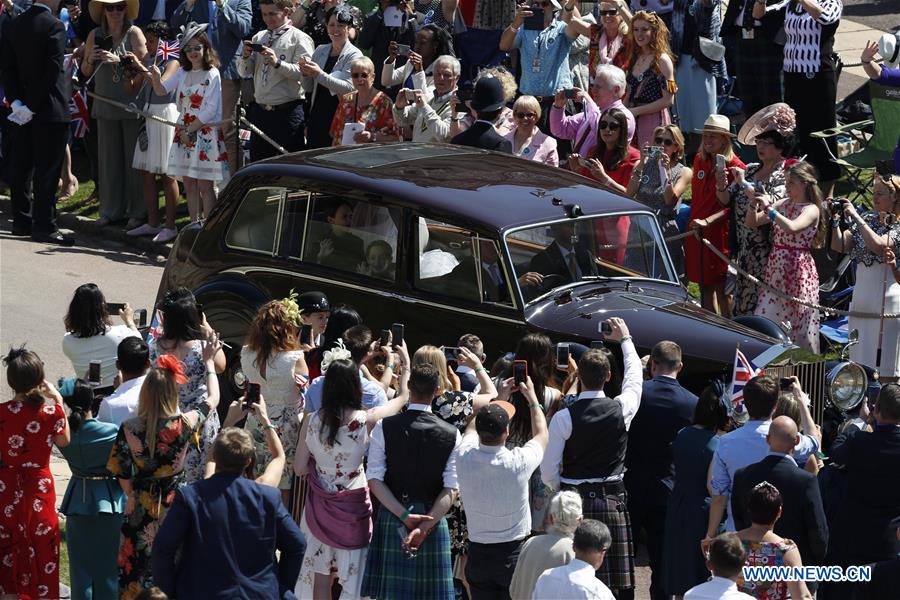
[(192, 396), (376, 117), (154, 480), (766, 554), (29, 527), (791, 269), (198, 95), (751, 244), (456, 408), (338, 468)]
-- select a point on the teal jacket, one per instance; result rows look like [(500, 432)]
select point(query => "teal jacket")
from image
[(92, 489)]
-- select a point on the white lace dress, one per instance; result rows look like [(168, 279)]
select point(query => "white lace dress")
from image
[(338, 467), (281, 390)]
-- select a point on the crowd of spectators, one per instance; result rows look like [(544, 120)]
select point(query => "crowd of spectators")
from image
[(395, 475)]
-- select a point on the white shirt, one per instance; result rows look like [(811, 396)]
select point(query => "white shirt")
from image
[(81, 351), (561, 424), (574, 581), (377, 465), (430, 123), (123, 403), (718, 588), (493, 485)]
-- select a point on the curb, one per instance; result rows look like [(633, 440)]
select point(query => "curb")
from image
[(89, 227)]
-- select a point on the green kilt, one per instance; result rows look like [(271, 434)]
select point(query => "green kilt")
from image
[(392, 575)]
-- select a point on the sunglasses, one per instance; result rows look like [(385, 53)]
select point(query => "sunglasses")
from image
[(526, 115), (608, 125), (114, 8), (662, 141), (609, 13), (198, 48), (360, 75)]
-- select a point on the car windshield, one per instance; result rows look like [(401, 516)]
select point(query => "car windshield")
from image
[(551, 255)]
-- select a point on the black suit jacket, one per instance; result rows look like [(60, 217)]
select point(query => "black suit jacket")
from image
[(32, 56), (483, 135), (550, 261), (802, 516), (771, 23), (665, 409), (885, 583)]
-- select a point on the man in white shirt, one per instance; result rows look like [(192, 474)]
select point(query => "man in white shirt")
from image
[(132, 362), (586, 452), (576, 580), (726, 559), (493, 486), (274, 66)]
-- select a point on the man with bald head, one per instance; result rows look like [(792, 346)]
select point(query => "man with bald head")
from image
[(802, 517)]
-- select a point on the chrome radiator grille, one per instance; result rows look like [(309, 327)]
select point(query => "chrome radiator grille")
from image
[(812, 378)]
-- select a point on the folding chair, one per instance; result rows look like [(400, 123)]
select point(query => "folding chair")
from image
[(878, 147)]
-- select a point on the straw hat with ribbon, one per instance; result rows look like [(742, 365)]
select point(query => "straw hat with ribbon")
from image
[(96, 8), (190, 31), (776, 117), (716, 124)]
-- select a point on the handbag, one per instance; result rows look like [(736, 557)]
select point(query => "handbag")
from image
[(707, 53)]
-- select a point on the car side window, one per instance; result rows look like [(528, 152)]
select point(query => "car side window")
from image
[(358, 236), (453, 261), (254, 226)]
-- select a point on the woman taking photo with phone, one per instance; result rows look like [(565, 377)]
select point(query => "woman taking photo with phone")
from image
[(867, 238), (367, 110), (659, 180), (30, 427), (91, 336), (272, 358), (184, 332), (417, 73), (798, 227), (198, 153), (117, 129), (148, 457), (651, 76)]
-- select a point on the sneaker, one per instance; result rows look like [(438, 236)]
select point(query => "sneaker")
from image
[(145, 229), (165, 235)]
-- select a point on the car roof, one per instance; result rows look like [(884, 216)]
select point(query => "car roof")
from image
[(495, 190)]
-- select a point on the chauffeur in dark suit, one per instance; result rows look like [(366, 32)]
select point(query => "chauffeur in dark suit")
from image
[(665, 409), (487, 102), (802, 516), (564, 257), (35, 85), (229, 526)]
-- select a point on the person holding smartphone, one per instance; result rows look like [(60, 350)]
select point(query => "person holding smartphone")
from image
[(430, 119), (431, 42)]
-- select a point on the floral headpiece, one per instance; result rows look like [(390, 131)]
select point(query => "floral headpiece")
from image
[(170, 363), (291, 308), (782, 119), (339, 352)]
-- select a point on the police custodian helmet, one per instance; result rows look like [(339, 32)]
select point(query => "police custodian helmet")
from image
[(310, 302)]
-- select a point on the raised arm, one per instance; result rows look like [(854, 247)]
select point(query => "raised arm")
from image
[(271, 476), (487, 391), (874, 242), (510, 34)]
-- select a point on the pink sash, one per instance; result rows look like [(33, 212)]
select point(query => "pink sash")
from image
[(342, 520)]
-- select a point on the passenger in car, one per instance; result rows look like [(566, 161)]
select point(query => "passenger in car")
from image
[(379, 261), (565, 257), (337, 247)]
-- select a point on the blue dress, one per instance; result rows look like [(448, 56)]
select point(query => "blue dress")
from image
[(687, 513), (93, 505)]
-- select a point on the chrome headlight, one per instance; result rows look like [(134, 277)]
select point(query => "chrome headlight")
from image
[(846, 385)]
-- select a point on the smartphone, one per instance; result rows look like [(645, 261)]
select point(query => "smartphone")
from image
[(141, 317), (410, 96), (464, 93), (720, 162), (584, 162), (94, 372), (451, 353), (569, 93), (113, 308), (520, 371), (397, 333), (605, 328), (785, 383), (655, 151), (598, 345), (536, 21), (306, 334), (403, 50), (256, 47), (105, 43), (127, 61), (562, 356), (252, 396)]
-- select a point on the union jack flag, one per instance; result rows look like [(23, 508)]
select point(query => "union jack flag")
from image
[(78, 111), (166, 50), (744, 371)]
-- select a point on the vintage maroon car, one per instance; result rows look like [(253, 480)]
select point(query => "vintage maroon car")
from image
[(439, 237)]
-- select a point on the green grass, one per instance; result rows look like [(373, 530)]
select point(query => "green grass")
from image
[(63, 554)]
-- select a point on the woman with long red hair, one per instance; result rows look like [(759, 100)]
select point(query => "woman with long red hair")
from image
[(651, 76)]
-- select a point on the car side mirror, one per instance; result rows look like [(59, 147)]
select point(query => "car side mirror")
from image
[(852, 340)]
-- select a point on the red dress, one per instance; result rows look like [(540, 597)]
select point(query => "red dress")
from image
[(376, 117), (707, 269), (615, 231), (29, 527)]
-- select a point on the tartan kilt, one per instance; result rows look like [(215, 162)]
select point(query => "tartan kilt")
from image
[(760, 64), (617, 570), (392, 575)]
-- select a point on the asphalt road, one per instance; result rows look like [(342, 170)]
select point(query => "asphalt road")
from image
[(877, 14), (37, 282)]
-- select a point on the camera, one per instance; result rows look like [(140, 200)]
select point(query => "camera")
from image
[(256, 47), (127, 62), (837, 206), (785, 383), (655, 152)]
